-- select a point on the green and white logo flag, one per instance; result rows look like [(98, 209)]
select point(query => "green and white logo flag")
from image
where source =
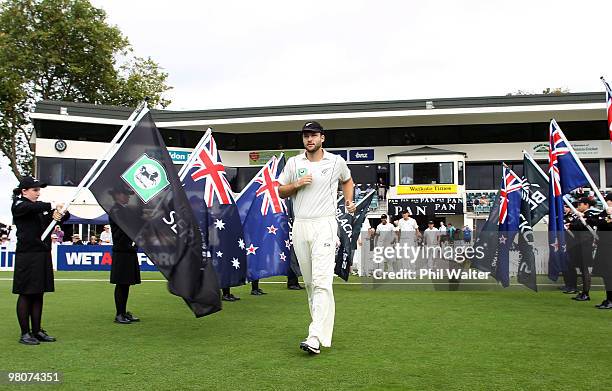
[(146, 177)]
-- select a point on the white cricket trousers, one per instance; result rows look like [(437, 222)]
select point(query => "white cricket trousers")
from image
[(314, 241)]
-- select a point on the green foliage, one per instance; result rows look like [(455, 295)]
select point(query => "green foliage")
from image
[(64, 50)]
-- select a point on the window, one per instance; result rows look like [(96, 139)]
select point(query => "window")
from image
[(392, 174), (592, 167), (608, 173), (63, 172), (406, 174), (460, 172), (426, 173), (479, 176)]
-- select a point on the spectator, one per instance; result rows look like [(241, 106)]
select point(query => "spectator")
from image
[(357, 191), (451, 233), (76, 240), (106, 236), (467, 234), (4, 243), (381, 188), (59, 233), (93, 241)]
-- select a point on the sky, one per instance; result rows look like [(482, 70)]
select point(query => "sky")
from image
[(227, 54)]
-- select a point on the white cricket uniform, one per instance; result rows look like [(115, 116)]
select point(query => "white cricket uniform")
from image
[(430, 240), (315, 232)]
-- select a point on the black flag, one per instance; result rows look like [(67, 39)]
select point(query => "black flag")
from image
[(488, 240), (140, 190), (349, 227), (534, 206)]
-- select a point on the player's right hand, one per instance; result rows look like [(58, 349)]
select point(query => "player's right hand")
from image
[(303, 181)]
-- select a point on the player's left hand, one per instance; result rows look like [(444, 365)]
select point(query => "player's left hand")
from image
[(350, 207)]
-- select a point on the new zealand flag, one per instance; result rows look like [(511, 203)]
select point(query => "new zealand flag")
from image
[(566, 174), (212, 200), (509, 219), (265, 223)]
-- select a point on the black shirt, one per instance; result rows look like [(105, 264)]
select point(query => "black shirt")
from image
[(31, 219)]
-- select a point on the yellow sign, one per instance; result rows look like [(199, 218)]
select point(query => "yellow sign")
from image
[(427, 189)]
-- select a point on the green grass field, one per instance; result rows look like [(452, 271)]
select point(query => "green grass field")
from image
[(397, 339)]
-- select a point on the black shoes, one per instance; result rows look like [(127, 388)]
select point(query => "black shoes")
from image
[(570, 291), (581, 297), (230, 297), (122, 319), (605, 305), (28, 339), (42, 336), (128, 315), (258, 292), (297, 287)]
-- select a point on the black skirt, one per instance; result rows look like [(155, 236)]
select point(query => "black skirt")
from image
[(125, 269), (33, 273)]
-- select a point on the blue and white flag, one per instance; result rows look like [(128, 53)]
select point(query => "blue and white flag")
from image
[(265, 223), (509, 219), (212, 200), (566, 173)]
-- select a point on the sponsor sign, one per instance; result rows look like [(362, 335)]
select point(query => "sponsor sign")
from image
[(361, 155), (179, 157), (583, 149), (90, 258), (427, 189), (426, 206), (260, 158)]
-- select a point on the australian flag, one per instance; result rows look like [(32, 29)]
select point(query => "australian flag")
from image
[(212, 200), (265, 223), (566, 174), (509, 219)]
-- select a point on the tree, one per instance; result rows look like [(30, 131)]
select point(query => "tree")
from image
[(546, 91), (64, 50)]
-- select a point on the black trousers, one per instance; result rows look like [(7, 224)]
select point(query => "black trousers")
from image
[(292, 278)]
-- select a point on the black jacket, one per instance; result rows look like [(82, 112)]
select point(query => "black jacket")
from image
[(121, 241), (31, 219)]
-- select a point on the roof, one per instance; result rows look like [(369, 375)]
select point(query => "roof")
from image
[(117, 112), (427, 151)]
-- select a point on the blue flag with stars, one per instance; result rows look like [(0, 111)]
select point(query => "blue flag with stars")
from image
[(566, 174), (265, 224), (212, 200)]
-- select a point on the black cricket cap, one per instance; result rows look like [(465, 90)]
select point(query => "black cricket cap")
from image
[(383, 216), (584, 200), (27, 182), (313, 127), (120, 189), (608, 197)]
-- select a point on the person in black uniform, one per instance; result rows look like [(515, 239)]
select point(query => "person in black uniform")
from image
[(125, 270), (603, 257), (570, 277), (33, 275), (582, 257)]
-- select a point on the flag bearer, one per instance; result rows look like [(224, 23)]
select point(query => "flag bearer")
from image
[(33, 275)]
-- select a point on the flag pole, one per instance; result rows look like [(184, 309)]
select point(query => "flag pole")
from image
[(581, 166), (98, 165), (183, 171), (565, 200)]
